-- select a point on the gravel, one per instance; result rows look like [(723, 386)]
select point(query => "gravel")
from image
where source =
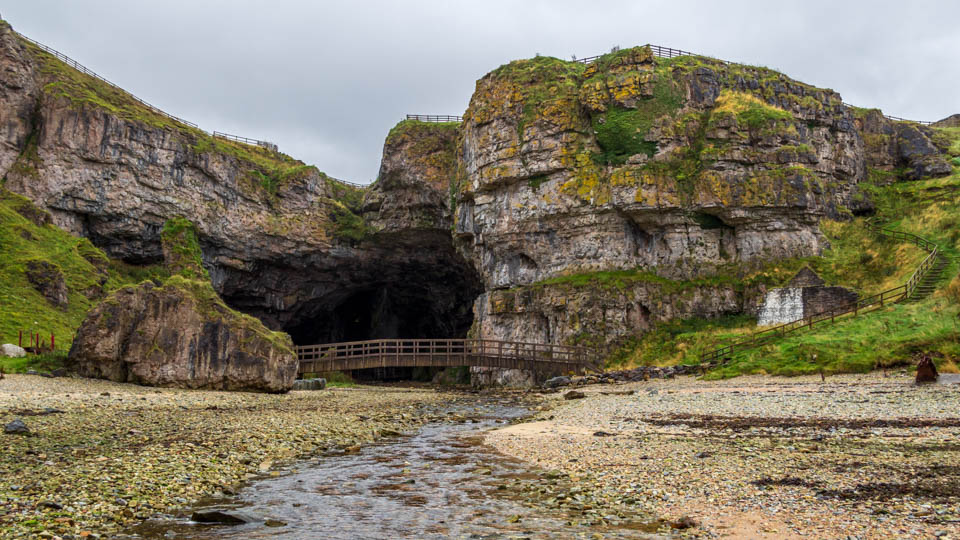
[(101, 456), (856, 456)]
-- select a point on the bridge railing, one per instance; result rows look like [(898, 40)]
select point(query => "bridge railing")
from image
[(442, 352), (888, 296)]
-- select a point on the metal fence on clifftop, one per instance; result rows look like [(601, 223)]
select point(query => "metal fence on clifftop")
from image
[(434, 118)]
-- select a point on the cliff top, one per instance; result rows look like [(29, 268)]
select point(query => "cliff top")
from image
[(269, 169)]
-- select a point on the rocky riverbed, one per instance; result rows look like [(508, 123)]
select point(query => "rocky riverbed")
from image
[(100, 456), (758, 457)]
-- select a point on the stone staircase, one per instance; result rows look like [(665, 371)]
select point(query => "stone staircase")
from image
[(926, 286)]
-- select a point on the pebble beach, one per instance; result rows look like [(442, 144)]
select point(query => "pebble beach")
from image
[(101, 456), (854, 456)]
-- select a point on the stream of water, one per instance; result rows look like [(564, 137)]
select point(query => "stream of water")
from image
[(439, 482)]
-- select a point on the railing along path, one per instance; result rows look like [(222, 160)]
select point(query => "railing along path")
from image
[(862, 305), (434, 118), (384, 353), (86, 71), (246, 140)]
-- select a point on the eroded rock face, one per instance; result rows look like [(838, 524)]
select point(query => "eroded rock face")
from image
[(634, 163), (599, 314), (47, 279), (413, 188), (736, 164), (907, 146), (180, 335)]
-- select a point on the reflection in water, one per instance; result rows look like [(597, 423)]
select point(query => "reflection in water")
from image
[(437, 483)]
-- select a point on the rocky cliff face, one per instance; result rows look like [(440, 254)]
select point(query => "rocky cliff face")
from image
[(281, 240), (587, 202), (413, 188), (667, 171)]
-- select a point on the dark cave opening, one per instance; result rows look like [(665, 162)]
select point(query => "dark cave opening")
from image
[(424, 302), (381, 312), (406, 286)]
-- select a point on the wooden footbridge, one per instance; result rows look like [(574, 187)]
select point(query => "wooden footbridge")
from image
[(383, 353)]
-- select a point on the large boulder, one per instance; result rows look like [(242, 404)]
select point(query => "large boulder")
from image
[(12, 351), (181, 334)]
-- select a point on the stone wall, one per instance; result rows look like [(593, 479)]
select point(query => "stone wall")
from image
[(789, 304)]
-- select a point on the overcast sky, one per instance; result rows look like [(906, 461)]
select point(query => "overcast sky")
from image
[(326, 80)]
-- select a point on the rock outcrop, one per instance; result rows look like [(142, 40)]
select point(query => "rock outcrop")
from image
[(47, 279), (907, 148), (667, 171), (182, 335), (413, 188)]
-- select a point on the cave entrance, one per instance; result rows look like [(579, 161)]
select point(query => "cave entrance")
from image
[(407, 310)]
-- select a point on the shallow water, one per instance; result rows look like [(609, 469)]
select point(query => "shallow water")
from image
[(439, 482)]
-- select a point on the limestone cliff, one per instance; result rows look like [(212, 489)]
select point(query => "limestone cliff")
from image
[(416, 172), (671, 171), (907, 149)]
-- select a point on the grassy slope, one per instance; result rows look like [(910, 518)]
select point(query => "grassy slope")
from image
[(82, 266)]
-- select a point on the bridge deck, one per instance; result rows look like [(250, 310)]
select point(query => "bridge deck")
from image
[(445, 353)]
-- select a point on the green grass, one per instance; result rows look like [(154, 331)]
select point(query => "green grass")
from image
[(621, 132), (80, 89), (86, 271), (857, 259), (885, 338), (45, 362), (417, 129), (348, 225), (751, 111)]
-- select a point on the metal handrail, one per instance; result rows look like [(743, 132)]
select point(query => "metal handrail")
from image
[(895, 294), (246, 140), (351, 184), (434, 118)]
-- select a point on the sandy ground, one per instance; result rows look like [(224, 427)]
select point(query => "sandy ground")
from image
[(758, 457), (101, 456)]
